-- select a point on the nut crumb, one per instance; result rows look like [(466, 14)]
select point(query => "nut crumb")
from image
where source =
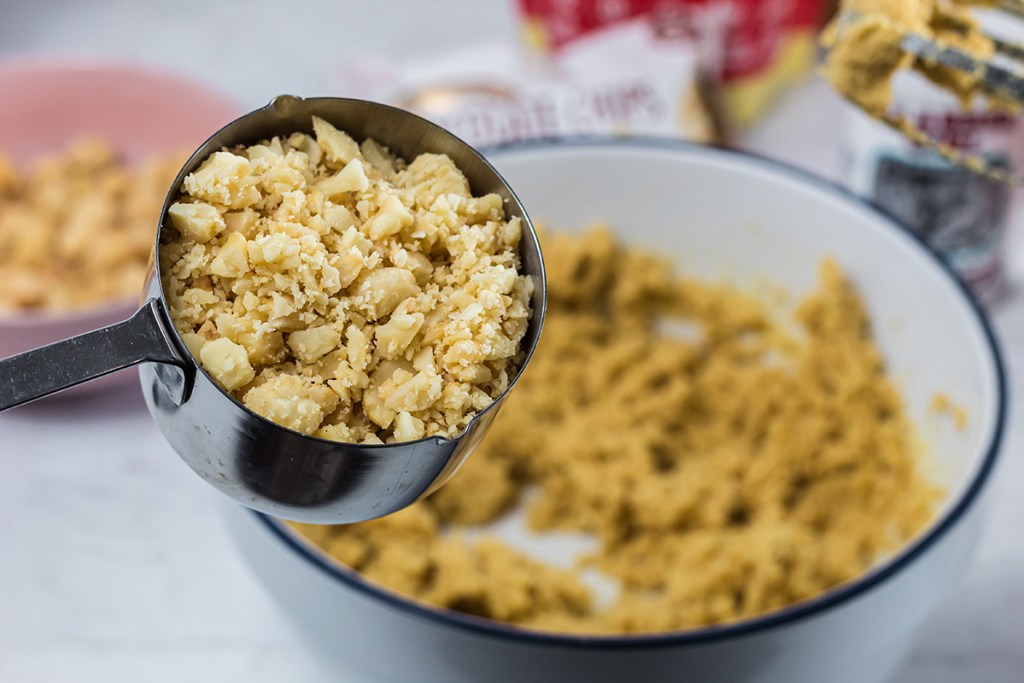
[(943, 404)]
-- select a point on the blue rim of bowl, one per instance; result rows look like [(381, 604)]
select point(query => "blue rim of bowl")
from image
[(806, 608)]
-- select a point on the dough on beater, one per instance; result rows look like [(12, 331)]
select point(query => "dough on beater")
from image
[(865, 53)]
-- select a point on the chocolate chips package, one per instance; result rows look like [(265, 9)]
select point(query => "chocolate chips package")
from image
[(758, 47), (635, 79)]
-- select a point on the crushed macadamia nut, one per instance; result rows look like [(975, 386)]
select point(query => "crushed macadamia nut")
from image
[(77, 228), (339, 291), (726, 470)]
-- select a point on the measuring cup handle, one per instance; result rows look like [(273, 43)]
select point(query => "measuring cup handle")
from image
[(64, 364)]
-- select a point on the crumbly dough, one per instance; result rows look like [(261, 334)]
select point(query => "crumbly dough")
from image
[(728, 467), (77, 228), (942, 404), (338, 291)]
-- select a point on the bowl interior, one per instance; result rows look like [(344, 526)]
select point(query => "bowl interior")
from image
[(726, 216)]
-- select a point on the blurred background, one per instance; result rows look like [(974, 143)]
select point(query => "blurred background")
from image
[(252, 50), (113, 562)]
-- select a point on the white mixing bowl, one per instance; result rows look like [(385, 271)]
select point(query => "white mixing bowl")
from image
[(717, 214)]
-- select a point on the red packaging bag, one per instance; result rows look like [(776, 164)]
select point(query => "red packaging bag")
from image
[(756, 47)]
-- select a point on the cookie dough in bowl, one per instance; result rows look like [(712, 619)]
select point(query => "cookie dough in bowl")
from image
[(715, 216)]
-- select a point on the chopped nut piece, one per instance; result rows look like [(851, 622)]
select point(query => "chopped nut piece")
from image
[(395, 336), (228, 362), (312, 344), (390, 220), (293, 402), (381, 290), (232, 261), (352, 178), (336, 145), (407, 427), (193, 342), (198, 221), (224, 180), (338, 218)]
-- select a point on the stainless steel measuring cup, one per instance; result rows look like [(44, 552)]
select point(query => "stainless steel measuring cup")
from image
[(254, 461)]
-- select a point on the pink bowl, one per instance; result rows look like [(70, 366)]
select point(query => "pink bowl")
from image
[(48, 103)]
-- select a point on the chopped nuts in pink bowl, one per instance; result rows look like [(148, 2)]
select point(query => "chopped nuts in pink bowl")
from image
[(141, 112)]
